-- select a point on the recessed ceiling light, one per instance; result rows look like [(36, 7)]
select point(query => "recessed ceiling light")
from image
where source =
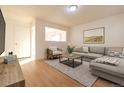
[(73, 8)]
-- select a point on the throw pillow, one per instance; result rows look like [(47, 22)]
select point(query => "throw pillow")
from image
[(85, 49), (117, 54), (121, 56), (78, 49), (113, 54), (123, 52)]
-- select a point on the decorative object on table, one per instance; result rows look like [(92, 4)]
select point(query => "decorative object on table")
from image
[(94, 36), (10, 59), (53, 52), (70, 49), (10, 53)]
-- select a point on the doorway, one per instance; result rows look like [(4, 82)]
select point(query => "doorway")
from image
[(22, 41)]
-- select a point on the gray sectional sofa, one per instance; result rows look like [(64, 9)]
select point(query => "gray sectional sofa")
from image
[(93, 53), (106, 71)]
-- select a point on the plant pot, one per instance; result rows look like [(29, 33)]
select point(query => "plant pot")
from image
[(70, 54)]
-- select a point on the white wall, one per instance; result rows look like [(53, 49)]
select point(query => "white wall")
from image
[(41, 44), (11, 26), (38, 43), (114, 31)]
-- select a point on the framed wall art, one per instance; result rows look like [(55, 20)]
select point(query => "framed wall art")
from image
[(94, 36)]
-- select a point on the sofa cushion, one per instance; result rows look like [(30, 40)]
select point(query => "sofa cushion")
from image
[(114, 70), (57, 52), (98, 50), (84, 49), (94, 55), (89, 55)]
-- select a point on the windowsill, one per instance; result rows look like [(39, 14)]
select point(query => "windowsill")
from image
[(57, 41)]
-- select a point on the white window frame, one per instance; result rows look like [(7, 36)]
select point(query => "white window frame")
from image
[(56, 30)]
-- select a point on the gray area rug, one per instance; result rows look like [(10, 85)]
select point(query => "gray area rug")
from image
[(81, 73)]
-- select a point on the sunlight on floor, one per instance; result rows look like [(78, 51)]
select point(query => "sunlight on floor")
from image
[(25, 61)]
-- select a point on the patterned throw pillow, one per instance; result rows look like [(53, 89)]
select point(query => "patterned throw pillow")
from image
[(113, 54), (117, 54), (122, 54)]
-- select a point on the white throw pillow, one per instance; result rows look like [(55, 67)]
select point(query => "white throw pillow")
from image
[(123, 52), (85, 49), (53, 48)]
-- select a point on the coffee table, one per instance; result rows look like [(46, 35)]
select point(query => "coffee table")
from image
[(71, 60)]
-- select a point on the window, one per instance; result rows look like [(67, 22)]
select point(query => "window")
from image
[(53, 34)]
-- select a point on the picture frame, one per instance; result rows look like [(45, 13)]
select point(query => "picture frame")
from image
[(94, 36)]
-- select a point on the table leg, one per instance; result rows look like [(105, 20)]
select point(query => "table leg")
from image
[(73, 63), (81, 59), (59, 58)]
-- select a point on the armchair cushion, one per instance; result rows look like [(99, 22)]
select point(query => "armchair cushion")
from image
[(57, 52), (53, 48)]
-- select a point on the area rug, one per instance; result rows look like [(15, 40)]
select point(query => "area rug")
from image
[(81, 73)]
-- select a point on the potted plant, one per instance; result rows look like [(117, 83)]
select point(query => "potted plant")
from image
[(70, 49)]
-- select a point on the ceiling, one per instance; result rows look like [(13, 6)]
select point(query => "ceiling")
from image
[(59, 14)]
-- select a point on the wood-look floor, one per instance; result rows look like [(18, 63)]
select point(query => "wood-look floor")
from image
[(39, 74)]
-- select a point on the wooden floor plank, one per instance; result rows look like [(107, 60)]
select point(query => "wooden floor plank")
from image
[(39, 74)]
